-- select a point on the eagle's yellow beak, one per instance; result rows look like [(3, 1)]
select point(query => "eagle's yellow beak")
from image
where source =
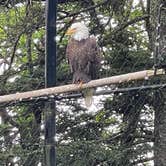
[(70, 31)]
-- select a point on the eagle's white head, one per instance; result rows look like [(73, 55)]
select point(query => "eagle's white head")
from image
[(78, 31)]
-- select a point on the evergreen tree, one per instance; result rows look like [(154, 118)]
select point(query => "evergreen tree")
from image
[(120, 130)]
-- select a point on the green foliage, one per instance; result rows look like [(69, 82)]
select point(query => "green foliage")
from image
[(84, 153), (112, 135)]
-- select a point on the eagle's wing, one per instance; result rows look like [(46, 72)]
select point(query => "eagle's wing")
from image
[(84, 59), (70, 53), (94, 58)]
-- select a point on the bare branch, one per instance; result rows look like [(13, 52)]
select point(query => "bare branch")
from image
[(104, 41), (73, 87), (84, 10), (14, 49), (133, 21)]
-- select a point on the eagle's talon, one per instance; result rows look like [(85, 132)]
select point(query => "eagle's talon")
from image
[(80, 83)]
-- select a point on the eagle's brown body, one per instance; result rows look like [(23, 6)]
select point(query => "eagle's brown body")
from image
[(84, 59)]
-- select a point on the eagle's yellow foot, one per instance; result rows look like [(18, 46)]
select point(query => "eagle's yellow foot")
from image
[(80, 84)]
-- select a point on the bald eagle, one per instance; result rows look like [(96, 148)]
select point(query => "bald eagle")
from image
[(83, 56)]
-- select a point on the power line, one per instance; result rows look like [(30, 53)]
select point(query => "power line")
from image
[(79, 95)]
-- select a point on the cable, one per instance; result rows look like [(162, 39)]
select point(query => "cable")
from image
[(78, 95)]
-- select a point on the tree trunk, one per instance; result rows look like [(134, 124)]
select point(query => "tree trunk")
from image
[(160, 96), (160, 129), (131, 118)]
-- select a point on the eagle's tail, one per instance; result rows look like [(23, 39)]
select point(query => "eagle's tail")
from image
[(88, 96)]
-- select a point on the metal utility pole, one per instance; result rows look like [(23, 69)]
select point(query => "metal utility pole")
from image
[(50, 80)]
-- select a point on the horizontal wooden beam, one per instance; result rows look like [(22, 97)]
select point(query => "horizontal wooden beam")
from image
[(73, 87)]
